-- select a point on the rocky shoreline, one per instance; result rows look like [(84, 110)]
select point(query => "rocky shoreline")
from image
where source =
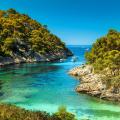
[(91, 83), (34, 57)]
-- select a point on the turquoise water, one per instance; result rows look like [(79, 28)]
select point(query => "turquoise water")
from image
[(46, 86)]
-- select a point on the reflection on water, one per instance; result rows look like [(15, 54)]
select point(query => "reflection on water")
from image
[(45, 86)]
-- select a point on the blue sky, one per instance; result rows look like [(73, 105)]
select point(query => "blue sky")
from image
[(76, 22)]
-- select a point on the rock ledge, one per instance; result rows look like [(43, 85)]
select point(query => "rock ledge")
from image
[(91, 83)]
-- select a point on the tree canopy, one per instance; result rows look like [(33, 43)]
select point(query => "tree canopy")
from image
[(105, 58), (20, 32), (105, 52)]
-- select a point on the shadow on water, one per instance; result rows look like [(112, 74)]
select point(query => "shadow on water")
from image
[(1, 93), (29, 69), (25, 76)]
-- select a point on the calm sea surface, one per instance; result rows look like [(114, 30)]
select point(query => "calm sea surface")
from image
[(46, 86)]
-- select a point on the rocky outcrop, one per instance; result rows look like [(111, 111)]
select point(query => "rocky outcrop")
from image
[(29, 57), (92, 84)]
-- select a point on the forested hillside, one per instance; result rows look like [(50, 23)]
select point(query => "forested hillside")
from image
[(106, 52), (24, 38), (105, 57)]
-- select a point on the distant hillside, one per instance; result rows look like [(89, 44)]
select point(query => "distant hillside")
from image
[(23, 39)]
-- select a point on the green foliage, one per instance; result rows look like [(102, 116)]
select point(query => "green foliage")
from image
[(8, 46), (18, 29), (105, 58), (10, 112), (62, 114), (105, 52)]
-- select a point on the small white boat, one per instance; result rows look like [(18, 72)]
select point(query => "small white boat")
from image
[(87, 49), (74, 59), (61, 60)]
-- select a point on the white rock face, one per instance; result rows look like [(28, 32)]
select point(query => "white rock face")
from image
[(91, 83)]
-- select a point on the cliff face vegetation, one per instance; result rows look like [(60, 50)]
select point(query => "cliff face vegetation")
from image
[(24, 38), (105, 58), (100, 76)]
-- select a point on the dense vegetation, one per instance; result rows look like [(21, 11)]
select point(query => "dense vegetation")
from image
[(105, 57), (8, 112), (19, 34)]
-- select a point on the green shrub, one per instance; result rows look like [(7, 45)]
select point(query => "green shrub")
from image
[(105, 52), (62, 114), (10, 112)]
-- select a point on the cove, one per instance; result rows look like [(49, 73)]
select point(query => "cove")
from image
[(46, 86)]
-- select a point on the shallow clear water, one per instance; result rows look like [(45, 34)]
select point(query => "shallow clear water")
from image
[(46, 86)]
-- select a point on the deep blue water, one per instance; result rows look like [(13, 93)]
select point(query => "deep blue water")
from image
[(46, 86)]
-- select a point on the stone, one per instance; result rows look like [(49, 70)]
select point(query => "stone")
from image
[(91, 83)]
